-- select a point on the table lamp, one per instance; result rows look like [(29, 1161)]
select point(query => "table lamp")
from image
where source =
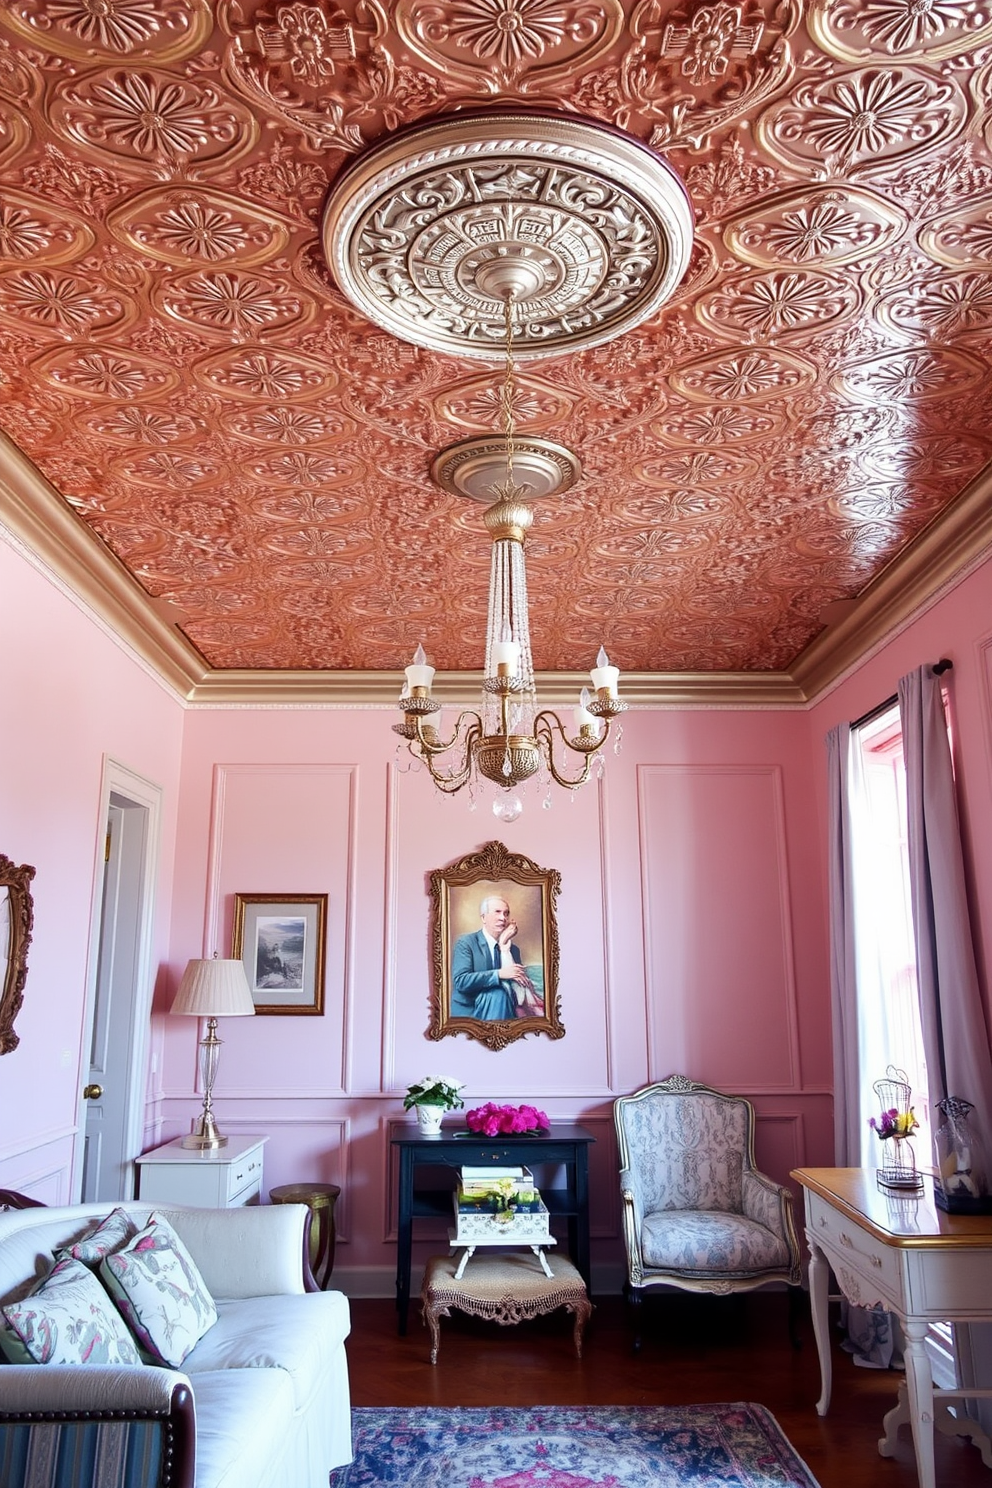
[(211, 989)]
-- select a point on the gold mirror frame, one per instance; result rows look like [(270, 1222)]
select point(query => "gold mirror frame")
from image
[(494, 867), (20, 921)]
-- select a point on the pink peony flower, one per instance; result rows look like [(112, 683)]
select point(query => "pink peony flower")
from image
[(492, 1120)]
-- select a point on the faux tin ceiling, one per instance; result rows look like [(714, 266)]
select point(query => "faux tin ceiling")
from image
[(178, 363)]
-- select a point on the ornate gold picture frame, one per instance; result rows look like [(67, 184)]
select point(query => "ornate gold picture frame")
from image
[(280, 939), (491, 994), (16, 921)]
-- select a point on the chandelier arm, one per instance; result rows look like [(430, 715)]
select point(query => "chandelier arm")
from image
[(452, 781), (545, 725), (441, 746)]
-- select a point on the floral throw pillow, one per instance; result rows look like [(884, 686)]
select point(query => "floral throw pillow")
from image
[(109, 1235), (160, 1292), (68, 1319)]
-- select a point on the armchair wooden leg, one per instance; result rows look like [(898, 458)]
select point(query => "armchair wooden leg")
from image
[(635, 1301), (795, 1295)]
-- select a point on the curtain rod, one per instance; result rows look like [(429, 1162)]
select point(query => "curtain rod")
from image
[(938, 669)]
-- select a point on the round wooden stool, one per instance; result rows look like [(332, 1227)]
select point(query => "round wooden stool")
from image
[(320, 1199)]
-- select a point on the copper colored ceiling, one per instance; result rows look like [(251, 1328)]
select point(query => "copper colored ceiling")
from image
[(177, 362)]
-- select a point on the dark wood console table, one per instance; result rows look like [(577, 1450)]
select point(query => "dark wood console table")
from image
[(564, 1146)]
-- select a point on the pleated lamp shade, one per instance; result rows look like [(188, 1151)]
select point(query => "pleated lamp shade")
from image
[(214, 989)]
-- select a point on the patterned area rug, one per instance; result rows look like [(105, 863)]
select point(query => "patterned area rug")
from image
[(690, 1446)]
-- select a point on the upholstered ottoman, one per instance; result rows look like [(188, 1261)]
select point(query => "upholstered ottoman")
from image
[(504, 1288)]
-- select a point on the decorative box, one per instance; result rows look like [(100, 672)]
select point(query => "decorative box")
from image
[(522, 1227)]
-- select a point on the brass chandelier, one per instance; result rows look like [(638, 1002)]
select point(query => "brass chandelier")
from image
[(545, 233), (510, 738)]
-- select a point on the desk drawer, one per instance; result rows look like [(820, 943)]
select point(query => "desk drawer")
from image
[(868, 1271)]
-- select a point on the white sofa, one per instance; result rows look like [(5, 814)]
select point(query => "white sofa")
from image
[(262, 1400)]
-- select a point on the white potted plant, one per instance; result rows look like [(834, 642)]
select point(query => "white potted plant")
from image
[(430, 1098)]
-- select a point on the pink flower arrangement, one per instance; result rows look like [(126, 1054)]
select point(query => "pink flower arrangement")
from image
[(492, 1120)]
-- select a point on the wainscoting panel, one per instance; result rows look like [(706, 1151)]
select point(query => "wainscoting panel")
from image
[(717, 925)]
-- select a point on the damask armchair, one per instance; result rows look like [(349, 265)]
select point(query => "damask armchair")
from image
[(696, 1212)]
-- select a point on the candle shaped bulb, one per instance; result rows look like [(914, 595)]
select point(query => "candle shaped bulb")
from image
[(418, 673), (581, 713), (508, 653), (605, 675)]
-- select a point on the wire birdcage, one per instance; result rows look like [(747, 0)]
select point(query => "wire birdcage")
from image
[(895, 1128)]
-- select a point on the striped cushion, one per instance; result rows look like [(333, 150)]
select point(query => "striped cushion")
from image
[(115, 1454)]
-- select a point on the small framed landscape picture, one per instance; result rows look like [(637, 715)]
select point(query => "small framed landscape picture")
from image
[(281, 943)]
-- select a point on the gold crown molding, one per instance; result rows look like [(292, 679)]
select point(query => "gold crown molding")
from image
[(32, 510), (942, 554), (245, 689)]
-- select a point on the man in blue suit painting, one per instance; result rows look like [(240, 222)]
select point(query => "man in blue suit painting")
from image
[(487, 978)]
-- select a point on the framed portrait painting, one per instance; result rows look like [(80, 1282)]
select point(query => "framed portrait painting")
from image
[(280, 940), (495, 948)]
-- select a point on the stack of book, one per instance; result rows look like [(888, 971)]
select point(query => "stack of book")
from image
[(499, 1206)]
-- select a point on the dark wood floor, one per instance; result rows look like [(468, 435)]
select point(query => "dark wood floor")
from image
[(695, 1349)]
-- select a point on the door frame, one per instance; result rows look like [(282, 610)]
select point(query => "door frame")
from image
[(117, 779)]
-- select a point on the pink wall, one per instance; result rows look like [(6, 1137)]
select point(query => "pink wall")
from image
[(71, 694), (691, 926), (692, 917)]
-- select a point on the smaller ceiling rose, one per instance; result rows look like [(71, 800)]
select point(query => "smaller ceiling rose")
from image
[(431, 231), (474, 466)]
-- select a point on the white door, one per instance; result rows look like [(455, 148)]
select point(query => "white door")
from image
[(114, 1089)]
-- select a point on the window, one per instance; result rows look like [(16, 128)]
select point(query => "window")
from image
[(889, 1030)]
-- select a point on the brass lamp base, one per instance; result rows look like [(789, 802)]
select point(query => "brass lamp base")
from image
[(204, 1137)]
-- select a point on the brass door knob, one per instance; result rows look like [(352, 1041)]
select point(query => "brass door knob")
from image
[(92, 1092)]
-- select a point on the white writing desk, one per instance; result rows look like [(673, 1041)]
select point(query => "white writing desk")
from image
[(903, 1253)]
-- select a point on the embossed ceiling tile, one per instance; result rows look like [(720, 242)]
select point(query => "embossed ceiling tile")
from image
[(57, 303), (196, 225), (705, 467), (795, 305), (882, 502), (647, 544), (32, 232), (697, 68), (146, 424), (297, 467), (105, 371), (306, 507), (474, 403), (948, 457), (898, 30), (15, 133), (962, 237), (717, 427), (152, 122), (752, 376), (250, 373), (284, 424), (327, 75), (170, 468), (943, 310), (912, 376), (112, 30), (823, 227), (862, 123), (237, 306), (508, 46)]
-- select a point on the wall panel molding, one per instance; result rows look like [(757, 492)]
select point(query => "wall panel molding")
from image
[(649, 896)]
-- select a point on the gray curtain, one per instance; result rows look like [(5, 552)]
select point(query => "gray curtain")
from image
[(955, 1032)]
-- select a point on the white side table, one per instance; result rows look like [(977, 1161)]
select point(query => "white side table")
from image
[(223, 1178)]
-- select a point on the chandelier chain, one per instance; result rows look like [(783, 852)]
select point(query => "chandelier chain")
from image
[(506, 396)]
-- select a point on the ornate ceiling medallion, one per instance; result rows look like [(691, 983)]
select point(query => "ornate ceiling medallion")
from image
[(474, 466), (587, 229)]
